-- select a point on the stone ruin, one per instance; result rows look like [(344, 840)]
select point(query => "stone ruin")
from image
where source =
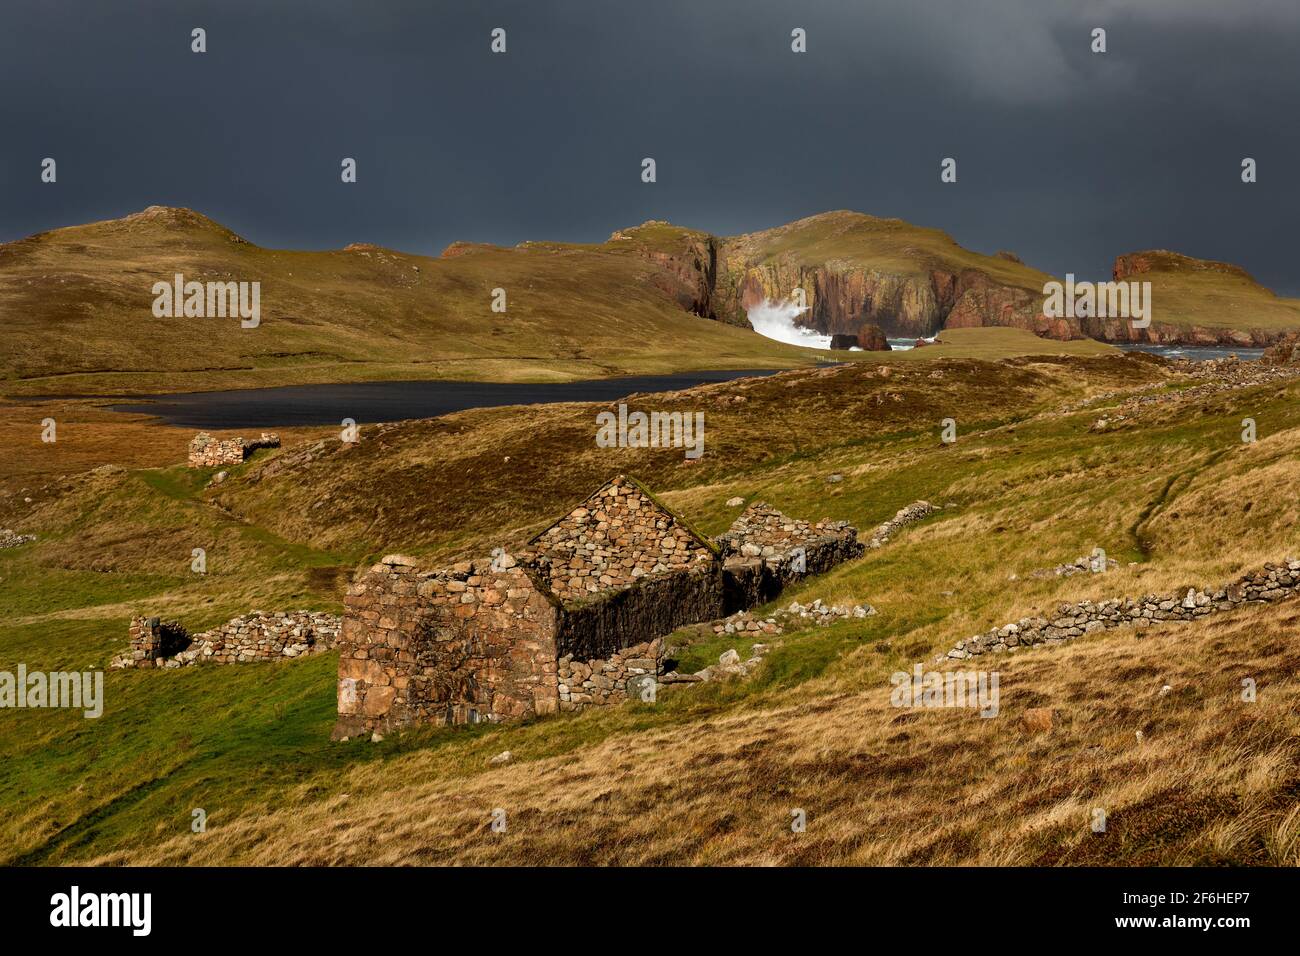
[(250, 637), (209, 452), (152, 640), (575, 620), (12, 539), (763, 551)]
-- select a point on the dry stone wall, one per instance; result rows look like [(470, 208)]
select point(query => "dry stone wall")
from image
[(1273, 582), (209, 452), (250, 637), (916, 511), (602, 682)]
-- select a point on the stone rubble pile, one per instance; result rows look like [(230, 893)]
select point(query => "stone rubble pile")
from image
[(1080, 565), (744, 622), (12, 539), (729, 665), (823, 614), (1273, 582)]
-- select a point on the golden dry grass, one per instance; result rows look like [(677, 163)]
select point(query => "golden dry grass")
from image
[(1214, 779)]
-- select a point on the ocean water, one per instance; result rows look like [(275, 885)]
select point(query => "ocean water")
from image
[(1197, 353)]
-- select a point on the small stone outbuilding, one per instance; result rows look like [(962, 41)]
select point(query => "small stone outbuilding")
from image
[(209, 452)]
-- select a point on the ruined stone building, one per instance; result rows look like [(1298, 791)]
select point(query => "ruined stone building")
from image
[(258, 636), (209, 452), (575, 620)]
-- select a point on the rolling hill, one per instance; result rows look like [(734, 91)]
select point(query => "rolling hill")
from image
[(78, 318), (77, 313)]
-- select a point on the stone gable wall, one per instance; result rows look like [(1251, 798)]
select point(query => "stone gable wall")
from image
[(614, 538), (209, 452), (462, 645)]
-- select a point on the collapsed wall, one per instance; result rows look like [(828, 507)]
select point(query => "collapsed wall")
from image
[(250, 637), (764, 550), (209, 452), (152, 640)]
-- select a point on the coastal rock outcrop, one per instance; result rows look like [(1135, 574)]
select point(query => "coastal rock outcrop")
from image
[(1285, 352), (871, 338)]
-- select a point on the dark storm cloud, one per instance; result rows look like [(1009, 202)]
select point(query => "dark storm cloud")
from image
[(1066, 157)]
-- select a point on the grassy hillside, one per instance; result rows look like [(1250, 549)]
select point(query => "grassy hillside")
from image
[(847, 239), (1208, 294), (708, 774), (78, 313), (77, 303)]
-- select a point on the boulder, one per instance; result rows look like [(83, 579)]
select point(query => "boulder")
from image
[(871, 338)]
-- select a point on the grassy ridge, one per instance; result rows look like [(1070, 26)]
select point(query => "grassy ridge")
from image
[(78, 304), (78, 314)]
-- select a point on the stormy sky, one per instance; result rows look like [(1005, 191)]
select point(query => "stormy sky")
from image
[(1065, 156)]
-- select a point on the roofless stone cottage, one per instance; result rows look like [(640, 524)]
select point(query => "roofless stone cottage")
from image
[(575, 620)]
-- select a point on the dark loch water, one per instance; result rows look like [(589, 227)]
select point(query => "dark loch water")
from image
[(395, 401)]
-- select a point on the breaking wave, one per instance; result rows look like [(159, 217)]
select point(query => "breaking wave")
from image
[(776, 321)]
